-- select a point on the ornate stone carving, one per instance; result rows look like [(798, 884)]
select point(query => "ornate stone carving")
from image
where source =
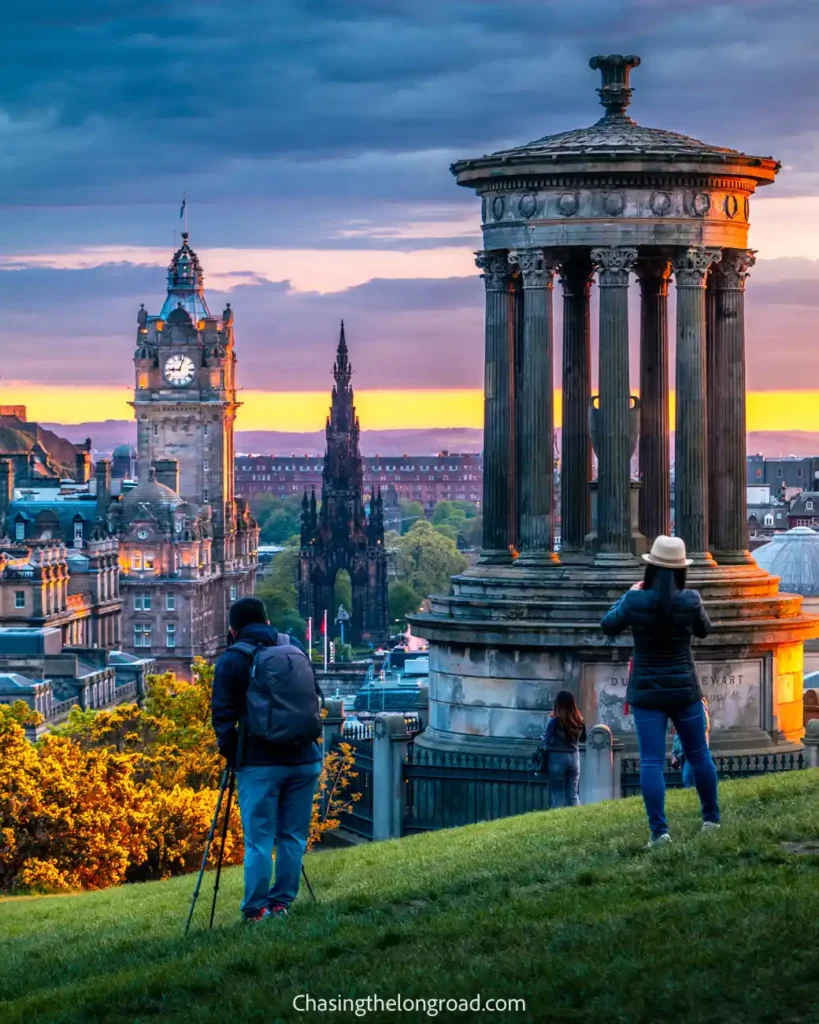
[(700, 204), (731, 205), (536, 268), (527, 205), (498, 207), (731, 273), (653, 275), (568, 204), (746, 206), (495, 270), (613, 265), (691, 265), (614, 203), (142, 316), (660, 203)]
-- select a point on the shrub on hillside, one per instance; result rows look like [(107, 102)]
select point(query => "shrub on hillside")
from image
[(126, 794)]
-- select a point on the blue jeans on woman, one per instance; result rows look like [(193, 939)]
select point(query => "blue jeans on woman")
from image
[(652, 728), (564, 779), (276, 804)]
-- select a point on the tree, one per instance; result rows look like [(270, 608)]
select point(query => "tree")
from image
[(403, 601), (278, 518), (426, 560), (459, 521), (412, 512), (278, 592)]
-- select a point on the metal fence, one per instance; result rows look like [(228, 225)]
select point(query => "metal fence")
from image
[(729, 766), (445, 789)]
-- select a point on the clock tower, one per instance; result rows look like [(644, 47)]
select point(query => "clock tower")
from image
[(185, 397)]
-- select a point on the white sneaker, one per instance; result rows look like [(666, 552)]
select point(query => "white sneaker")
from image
[(659, 840), (709, 826)]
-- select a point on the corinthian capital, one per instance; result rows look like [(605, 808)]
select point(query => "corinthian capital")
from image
[(576, 273), (495, 269), (731, 273), (691, 265), (653, 275), (613, 265), (536, 268)]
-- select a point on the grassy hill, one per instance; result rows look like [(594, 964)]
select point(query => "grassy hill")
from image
[(564, 909)]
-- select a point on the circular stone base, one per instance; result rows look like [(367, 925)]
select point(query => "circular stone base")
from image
[(508, 638)]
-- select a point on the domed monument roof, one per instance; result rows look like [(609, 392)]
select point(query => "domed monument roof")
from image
[(614, 140), (794, 558), (125, 451)]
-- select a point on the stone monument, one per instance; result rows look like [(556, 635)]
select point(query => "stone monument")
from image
[(606, 203)]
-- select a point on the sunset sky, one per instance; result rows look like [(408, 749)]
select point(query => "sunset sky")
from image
[(314, 145)]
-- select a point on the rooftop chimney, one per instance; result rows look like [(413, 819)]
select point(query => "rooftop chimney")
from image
[(82, 471), (167, 473)]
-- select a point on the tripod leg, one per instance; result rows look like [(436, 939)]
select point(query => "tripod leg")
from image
[(211, 834), (307, 883), (222, 846)]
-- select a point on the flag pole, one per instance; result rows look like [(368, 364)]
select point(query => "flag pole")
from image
[(325, 639), (186, 212), (310, 636)]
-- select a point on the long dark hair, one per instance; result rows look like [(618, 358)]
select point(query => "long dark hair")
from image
[(666, 582), (568, 715)]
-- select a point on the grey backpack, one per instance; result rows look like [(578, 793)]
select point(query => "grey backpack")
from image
[(282, 696)]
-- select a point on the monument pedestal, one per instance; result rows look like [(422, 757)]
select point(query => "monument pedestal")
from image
[(507, 640)]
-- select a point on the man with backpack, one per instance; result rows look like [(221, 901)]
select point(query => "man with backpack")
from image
[(267, 719)]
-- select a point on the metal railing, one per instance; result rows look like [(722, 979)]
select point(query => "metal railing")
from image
[(446, 789), (729, 766)]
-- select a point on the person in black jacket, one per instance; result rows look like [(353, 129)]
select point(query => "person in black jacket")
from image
[(564, 734), (664, 616), (276, 784)]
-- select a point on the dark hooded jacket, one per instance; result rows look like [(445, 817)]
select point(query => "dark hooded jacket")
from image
[(663, 675), (230, 683)]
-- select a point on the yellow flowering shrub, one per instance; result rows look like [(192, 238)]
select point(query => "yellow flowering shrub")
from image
[(126, 794)]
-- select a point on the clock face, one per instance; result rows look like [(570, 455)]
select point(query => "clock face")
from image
[(179, 370)]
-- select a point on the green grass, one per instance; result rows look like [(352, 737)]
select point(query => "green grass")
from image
[(564, 909)]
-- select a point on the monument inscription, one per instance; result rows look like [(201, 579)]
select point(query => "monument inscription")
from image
[(733, 690)]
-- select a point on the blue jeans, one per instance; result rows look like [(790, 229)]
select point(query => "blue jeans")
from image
[(652, 727), (276, 803), (564, 779)]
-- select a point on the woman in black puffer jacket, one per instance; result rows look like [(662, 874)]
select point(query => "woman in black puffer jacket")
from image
[(664, 616)]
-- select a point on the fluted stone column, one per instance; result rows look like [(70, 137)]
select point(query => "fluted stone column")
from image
[(535, 411), (726, 408), (499, 409), (613, 445), (691, 445), (655, 492), (576, 274)]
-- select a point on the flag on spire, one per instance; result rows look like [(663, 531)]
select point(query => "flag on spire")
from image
[(183, 207)]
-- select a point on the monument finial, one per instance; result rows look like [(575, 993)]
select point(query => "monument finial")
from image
[(615, 94)]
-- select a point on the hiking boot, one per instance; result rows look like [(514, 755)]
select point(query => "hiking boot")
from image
[(278, 910), (659, 840), (709, 827), (260, 915)]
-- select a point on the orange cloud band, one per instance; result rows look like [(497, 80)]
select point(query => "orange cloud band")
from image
[(378, 409)]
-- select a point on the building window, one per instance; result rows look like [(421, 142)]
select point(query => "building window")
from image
[(205, 465), (205, 496), (77, 532), (170, 602), (233, 592), (156, 429), (769, 520), (170, 635), (136, 560), (142, 636), (137, 602), (205, 430), (150, 558), (809, 506), (20, 530), (142, 602), (19, 598)]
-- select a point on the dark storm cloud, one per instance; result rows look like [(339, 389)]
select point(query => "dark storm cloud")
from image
[(137, 101)]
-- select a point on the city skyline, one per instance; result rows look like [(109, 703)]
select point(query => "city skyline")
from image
[(338, 201)]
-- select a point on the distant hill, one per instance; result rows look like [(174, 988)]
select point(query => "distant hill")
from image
[(107, 434)]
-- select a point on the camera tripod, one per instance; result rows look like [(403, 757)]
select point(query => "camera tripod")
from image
[(228, 783)]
